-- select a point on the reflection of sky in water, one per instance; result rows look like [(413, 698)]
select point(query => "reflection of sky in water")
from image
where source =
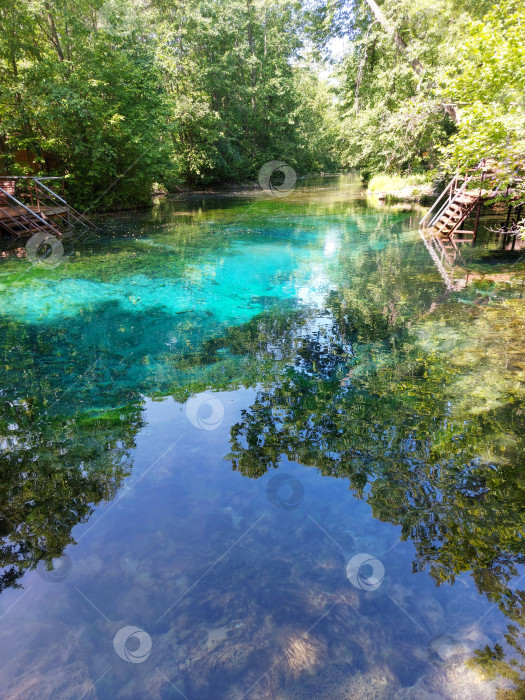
[(240, 583), (198, 556), (332, 243)]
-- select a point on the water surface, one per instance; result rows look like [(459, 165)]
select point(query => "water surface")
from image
[(261, 432)]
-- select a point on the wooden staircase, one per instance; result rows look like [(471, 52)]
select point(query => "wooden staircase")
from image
[(457, 211), (440, 227), (45, 210), (457, 201)]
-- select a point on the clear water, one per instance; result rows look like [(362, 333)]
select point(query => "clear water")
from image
[(263, 433)]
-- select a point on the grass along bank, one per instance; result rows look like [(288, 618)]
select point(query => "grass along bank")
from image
[(412, 188)]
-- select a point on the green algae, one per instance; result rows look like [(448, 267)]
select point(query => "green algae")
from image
[(357, 363)]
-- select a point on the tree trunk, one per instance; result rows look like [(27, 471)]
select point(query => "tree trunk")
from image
[(401, 44)]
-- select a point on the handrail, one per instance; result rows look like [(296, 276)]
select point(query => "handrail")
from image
[(462, 190), (37, 179), (73, 212), (458, 192), (448, 187), (16, 221), (47, 224), (32, 177), (423, 223), (54, 194)]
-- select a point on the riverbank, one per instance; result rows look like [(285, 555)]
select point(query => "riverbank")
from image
[(396, 188)]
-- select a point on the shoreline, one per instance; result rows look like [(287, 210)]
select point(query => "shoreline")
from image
[(416, 194)]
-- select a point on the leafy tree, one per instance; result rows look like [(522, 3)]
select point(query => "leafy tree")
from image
[(488, 83), (118, 96), (394, 115), (87, 102)]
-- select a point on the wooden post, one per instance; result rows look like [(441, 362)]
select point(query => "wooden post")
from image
[(505, 227), (515, 235), (476, 225), (37, 197), (508, 217)]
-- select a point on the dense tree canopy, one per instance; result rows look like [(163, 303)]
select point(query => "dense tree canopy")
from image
[(488, 84), (186, 92), (122, 94), (444, 69)]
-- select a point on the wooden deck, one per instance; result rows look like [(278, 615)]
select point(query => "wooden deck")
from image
[(28, 206), (14, 212), (442, 228)]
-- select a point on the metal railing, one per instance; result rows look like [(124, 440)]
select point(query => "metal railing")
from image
[(26, 219), (443, 261), (453, 192), (72, 213), (46, 203)]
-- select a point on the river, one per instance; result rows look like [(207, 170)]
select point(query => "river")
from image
[(253, 448)]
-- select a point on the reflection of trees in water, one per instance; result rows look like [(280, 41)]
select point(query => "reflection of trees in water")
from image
[(390, 428), (51, 479), (60, 457), (496, 661), (345, 390)]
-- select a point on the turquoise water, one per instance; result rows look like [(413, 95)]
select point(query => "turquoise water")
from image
[(252, 448)]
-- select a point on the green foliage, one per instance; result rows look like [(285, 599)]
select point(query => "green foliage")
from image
[(488, 85), (118, 96), (84, 102), (392, 119), (409, 186), (317, 126), (397, 105)]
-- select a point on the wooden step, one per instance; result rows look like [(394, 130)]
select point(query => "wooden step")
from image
[(24, 226)]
